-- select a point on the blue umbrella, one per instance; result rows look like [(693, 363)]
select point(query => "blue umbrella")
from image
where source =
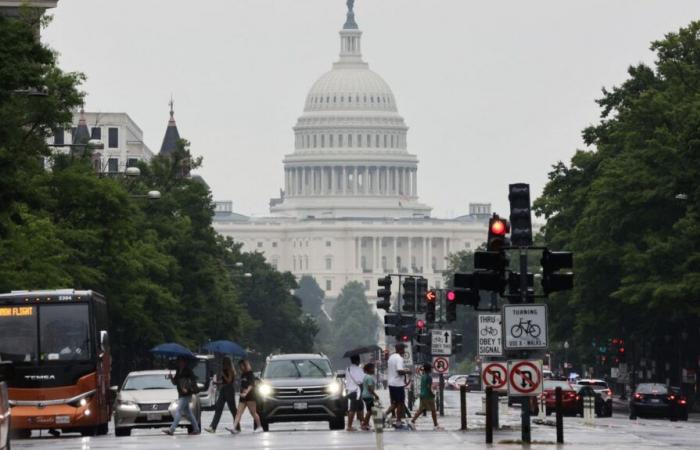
[(226, 347), (172, 350)]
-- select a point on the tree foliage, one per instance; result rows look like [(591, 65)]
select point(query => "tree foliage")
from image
[(629, 206), (166, 274), (311, 295)]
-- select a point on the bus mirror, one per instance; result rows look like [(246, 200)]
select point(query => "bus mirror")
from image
[(104, 340), (114, 389)]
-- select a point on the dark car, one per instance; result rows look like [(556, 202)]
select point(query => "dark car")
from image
[(300, 388), (4, 418), (656, 399), (569, 401)]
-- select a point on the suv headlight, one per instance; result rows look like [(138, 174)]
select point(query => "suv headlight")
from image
[(128, 403), (334, 388), (265, 390)]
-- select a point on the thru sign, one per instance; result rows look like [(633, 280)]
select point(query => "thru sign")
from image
[(489, 337), (441, 343), (525, 326)]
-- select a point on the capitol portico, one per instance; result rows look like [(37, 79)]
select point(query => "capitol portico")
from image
[(349, 209)]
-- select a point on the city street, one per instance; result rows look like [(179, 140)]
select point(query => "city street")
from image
[(617, 432)]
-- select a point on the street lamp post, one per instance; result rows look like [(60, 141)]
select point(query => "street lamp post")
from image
[(566, 358)]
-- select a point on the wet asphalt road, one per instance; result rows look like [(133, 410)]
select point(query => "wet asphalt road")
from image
[(615, 433)]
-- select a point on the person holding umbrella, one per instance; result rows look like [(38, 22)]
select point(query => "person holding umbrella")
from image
[(186, 383), (227, 394)]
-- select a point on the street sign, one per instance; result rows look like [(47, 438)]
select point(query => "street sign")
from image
[(441, 364), (494, 374), (524, 377), (489, 335), (408, 356), (441, 343), (525, 326)]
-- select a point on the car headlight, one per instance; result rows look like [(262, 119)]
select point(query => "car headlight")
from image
[(127, 403), (334, 388), (265, 390)]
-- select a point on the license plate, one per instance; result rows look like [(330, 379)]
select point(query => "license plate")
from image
[(62, 420), (44, 419), (301, 406), (154, 417), (656, 400)]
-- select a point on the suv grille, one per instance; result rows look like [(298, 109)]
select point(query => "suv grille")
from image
[(153, 406), (300, 393)]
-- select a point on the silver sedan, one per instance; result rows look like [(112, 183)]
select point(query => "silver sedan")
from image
[(148, 399)]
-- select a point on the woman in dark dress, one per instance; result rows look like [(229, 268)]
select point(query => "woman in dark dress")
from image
[(247, 397), (227, 394)]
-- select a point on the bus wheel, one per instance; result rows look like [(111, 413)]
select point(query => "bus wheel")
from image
[(21, 434)]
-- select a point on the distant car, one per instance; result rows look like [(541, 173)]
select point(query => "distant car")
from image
[(602, 390), (300, 388), (583, 391), (455, 381), (148, 399), (4, 418), (204, 371), (569, 401), (656, 399), (547, 374)]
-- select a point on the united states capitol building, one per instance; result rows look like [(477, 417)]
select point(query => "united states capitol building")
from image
[(349, 209)]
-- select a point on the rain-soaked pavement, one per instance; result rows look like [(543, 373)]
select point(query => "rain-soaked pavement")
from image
[(613, 433)]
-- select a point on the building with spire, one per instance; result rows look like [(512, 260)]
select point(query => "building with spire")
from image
[(121, 136), (349, 209), (172, 135)]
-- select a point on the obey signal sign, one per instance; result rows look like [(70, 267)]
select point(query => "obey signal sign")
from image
[(524, 377)]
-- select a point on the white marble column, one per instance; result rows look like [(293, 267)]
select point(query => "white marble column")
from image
[(381, 268), (334, 186), (410, 255), (415, 182), (355, 184), (395, 261), (344, 181), (365, 181), (444, 253), (304, 188), (429, 266)]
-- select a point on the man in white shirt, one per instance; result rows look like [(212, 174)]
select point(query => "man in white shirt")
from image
[(396, 374), (353, 385)]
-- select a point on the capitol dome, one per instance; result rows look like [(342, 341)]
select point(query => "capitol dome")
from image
[(350, 88), (350, 154)]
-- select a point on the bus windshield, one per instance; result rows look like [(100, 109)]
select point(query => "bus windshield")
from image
[(45, 333), (18, 333)]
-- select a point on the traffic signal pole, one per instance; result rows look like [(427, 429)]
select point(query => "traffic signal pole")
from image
[(525, 405)]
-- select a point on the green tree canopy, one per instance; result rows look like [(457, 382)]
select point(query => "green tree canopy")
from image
[(311, 295), (629, 206)]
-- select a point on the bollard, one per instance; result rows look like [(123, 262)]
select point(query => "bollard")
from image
[(489, 415), (588, 409), (463, 406), (559, 415), (442, 395), (495, 424), (673, 411), (378, 419), (542, 410), (525, 420)]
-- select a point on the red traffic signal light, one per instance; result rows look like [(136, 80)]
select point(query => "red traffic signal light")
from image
[(405, 338), (451, 296), (621, 350), (498, 227), (431, 296), (420, 324)]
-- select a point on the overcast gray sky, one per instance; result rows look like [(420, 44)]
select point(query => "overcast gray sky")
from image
[(478, 82)]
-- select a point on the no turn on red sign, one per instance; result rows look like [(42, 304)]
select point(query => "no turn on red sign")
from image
[(524, 377), (494, 374)]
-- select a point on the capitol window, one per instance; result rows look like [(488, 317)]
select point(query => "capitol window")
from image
[(367, 284), (359, 140), (329, 285), (369, 140), (349, 140), (385, 140), (329, 263), (260, 244), (330, 139), (371, 99), (328, 243), (376, 141), (315, 141), (340, 140), (323, 140), (274, 245)]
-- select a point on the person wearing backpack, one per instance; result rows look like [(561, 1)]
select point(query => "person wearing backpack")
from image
[(186, 383)]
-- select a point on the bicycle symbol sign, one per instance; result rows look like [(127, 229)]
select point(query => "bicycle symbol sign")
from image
[(525, 326)]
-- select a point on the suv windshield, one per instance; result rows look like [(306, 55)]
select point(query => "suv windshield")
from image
[(139, 382), (298, 368)]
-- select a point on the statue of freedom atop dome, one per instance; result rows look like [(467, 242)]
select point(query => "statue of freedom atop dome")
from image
[(350, 23)]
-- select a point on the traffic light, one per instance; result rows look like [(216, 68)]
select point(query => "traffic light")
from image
[(457, 342), (430, 301), (514, 285), (492, 273), (384, 293), (399, 326), (552, 262), (465, 291), (420, 325), (422, 290), (520, 217), (421, 347), (451, 307), (409, 294), (498, 228)]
